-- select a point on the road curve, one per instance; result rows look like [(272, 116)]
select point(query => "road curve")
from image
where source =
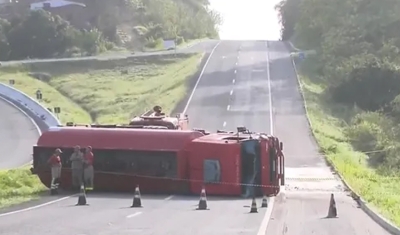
[(301, 209), (17, 135), (175, 215)]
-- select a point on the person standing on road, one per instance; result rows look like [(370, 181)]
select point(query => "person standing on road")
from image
[(55, 164), (77, 167), (88, 172)]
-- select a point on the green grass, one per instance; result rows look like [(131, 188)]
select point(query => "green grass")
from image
[(328, 123), (107, 91), (51, 97), (160, 46), (18, 186)]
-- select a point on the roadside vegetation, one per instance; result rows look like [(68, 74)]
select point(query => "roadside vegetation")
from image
[(18, 186), (120, 25), (352, 89), (107, 91)]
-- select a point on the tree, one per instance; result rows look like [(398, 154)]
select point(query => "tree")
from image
[(358, 43), (39, 35)]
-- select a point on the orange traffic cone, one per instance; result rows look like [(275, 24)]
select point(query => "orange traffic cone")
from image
[(137, 201), (203, 200), (332, 211), (253, 206), (82, 197), (264, 202)]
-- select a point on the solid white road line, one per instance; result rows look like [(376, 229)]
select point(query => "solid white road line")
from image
[(38, 206), (199, 78), (270, 94), (264, 224), (134, 214)]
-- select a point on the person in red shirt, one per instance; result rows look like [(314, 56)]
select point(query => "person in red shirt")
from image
[(55, 164), (89, 170)]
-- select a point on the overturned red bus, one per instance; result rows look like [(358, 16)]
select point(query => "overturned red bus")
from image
[(168, 161)]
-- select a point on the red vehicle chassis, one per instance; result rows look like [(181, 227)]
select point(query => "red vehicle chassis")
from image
[(169, 161)]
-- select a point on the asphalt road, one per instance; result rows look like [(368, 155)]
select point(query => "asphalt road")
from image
[(301, 209), (170, 215), (233, 90), (17, 135)]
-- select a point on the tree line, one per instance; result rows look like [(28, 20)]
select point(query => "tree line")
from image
[(41, 34), (358, 45)]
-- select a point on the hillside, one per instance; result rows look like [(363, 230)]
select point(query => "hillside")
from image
[(352, 87), (107, 91), (102, 25)]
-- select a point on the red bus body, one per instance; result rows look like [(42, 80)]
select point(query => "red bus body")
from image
[(190, 155), (125, 139)]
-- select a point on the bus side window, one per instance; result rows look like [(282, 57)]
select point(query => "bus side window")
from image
[(212, 171), (103, 160), (41, 155)]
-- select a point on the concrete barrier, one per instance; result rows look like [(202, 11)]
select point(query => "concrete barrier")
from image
[(40, 114)]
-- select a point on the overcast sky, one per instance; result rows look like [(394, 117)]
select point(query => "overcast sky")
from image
[(248, 19)]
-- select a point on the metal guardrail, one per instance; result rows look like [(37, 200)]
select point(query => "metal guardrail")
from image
[(35, 107)]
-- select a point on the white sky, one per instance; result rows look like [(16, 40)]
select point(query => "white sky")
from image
[(248, 19)]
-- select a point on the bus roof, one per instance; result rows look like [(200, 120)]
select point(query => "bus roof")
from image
[(114, 138)]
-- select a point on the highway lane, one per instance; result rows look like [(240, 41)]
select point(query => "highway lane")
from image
[(208, 106), (17, 135), (234, 91), (109, 214), (249, 102), (301, 208)]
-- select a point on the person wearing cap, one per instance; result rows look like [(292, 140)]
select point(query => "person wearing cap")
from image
[(88, 171), (157, 111), (55, 164), (77, 167)]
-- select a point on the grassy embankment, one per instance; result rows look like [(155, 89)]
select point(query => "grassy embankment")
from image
[(104, 91), (329, 121), (158, 47)]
